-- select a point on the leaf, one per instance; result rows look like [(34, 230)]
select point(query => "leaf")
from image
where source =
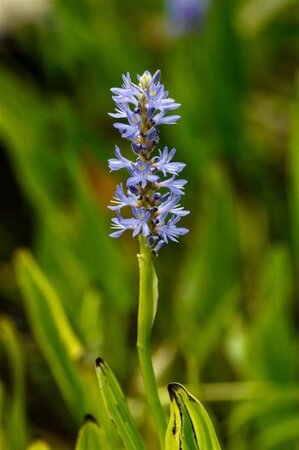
[(188, 416), (117, 408), (279, 434), (90, 436), (173, 438), (14, 409), (221, 50), (179, 433), (39, 445), (52, 331), (254, 16), (76, 382), (204, 307), (267, 358), (52, 301), (90, 319), (2, 406)]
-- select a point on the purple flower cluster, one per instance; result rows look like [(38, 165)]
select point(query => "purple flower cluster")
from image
[(152, 197)]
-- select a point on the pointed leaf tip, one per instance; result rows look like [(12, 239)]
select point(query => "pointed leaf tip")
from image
[(89, 418), (173, 388), (99, 362)]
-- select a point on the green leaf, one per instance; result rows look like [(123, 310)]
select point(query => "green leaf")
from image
[(279, 434), (90, 319), (254, 16), (267, 358), (204, 307), (52, 331), (117, 408), (222, 50), (174, 432), (90, 436), (179, 433), (52, 301), (2, 409), (190, 426), (14, 409), (39, 445), (58, 343)]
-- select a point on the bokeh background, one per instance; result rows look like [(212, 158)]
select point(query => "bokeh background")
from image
[(227, 324)]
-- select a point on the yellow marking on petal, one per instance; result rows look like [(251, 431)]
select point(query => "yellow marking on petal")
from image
[(153, 93)]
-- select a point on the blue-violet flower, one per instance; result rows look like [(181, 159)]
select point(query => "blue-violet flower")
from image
[(153, 198)]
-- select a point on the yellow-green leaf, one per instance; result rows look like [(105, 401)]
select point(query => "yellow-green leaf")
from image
[(47, 319), (39, 445), (117, 408), (190, 426), (90, 436)]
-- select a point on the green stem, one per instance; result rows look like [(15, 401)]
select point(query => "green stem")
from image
[(148, 296)]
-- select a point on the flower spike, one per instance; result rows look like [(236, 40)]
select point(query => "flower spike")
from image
[(144, 106)]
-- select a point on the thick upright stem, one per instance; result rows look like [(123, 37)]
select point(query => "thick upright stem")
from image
[(148, 295)]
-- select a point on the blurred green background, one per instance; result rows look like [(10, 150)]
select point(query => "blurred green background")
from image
[(227, 324)]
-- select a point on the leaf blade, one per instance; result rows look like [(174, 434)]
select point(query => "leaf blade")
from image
[(117, 407), (201, 425), (90, 436)]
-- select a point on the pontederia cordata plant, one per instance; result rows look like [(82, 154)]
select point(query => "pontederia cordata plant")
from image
[(149, 205)]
